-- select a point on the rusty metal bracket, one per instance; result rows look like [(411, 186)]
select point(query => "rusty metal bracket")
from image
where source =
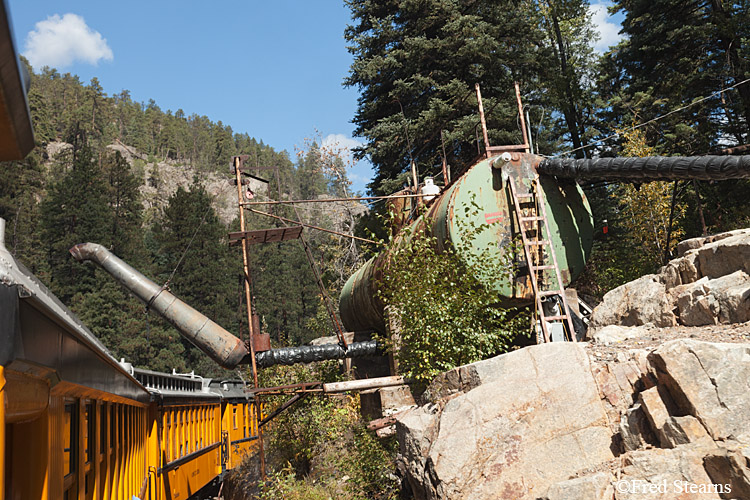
[(280, 409)]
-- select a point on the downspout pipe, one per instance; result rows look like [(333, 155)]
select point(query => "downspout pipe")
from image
[(219, 344), (215, 341)]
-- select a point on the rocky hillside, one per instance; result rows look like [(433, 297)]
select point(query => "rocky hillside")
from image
[(162, 177), (651, 410)]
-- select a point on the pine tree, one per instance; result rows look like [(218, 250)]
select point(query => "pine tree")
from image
[(676, 52), (192, 242), (125, 206), (416, 63), (76, 210)]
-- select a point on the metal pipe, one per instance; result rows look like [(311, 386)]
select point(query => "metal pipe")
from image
[(520, 114), (364, 384), (649, 168), (219, 344), (482, 121), (312, 353)]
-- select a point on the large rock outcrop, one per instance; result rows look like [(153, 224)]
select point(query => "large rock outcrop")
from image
[(551, 422), (496, 439), (708, 283)]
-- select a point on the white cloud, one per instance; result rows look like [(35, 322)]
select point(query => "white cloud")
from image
[(608, 28), (60, 41), (361, 172), (340, 142)]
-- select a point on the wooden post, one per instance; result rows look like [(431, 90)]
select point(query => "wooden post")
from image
[(248, 299), (481, 119)]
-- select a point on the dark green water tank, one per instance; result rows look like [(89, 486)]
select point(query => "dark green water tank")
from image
[(481, 199)]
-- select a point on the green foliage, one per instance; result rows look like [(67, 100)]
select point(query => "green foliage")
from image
[(191, 240), (416, 64), (319, 442), (638, 222), (75, 211), (446, 316), (285, 484)]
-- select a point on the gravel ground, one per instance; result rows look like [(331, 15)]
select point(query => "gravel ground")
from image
[(652, 337)]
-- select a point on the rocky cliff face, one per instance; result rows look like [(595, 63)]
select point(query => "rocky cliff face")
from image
[(707, 284), (161, 179), (554, 422), (656, 413)]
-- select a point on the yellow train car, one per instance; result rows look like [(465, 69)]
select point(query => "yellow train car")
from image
[(74, 422), (238, 422), (77, 424)]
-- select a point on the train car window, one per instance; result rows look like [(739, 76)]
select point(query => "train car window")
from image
[(102, 429), (173, 433), (70, 438), (234, 416), (186, 430), (246, 421), (88, 438), (121, 425)]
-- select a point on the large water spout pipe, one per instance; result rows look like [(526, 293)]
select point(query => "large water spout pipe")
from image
[(649, 168), (219, 344)]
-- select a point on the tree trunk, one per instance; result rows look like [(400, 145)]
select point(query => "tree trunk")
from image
[(569, 108), (738, 66)]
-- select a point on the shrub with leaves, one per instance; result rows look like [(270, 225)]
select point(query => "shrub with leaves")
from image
[(446, 314), (319, 448)]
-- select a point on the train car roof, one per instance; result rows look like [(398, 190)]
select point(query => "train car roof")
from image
[(16, 134), (178, 388), (37, 330)]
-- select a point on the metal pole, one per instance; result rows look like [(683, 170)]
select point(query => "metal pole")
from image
[(528, 127), (329, 200), (523, 120), (446, 170), (248, 298), (481, 120), (671, 220)]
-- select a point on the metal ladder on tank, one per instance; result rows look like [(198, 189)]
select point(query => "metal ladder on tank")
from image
[(534, 199)]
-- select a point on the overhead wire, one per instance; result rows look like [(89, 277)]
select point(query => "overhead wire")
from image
[(658, 118)]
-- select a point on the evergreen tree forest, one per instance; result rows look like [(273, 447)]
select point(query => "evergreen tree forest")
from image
[(680, 74), (681, 71), (87, 191)]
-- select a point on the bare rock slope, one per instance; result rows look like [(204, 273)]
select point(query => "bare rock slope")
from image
[(708, 283), (660, 413)]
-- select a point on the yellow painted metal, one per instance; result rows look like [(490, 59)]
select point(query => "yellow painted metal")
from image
[(118, 449), (26, 397), (28, 444)]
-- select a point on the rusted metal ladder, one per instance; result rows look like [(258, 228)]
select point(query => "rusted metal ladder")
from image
[(535, 200)]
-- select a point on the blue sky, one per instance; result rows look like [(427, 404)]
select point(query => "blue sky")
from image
[(271, 69)]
